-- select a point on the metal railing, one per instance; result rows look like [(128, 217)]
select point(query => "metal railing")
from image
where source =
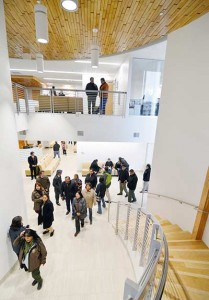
[(35, 99), (145, 241)]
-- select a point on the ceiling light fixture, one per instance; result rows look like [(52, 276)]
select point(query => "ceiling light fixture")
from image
[(40, 63), (60, 79), (101, 63), (69, 5), (41, 23), (95, 56)]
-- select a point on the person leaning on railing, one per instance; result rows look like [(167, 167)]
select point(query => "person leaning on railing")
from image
[(91, 96), (104, 87)]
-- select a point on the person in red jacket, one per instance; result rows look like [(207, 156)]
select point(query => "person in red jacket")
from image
[(104, 87)]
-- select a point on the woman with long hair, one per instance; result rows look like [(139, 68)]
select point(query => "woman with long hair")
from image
[(37, 197), (32, 254), (46, 215), (14, 231)]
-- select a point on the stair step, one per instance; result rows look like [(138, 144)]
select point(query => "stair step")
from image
[(178, 236), (197, 255), (172, 228), (197, 295), (165, 222), (186, 244), (192, 268)]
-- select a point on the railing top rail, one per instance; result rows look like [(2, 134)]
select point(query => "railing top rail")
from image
[(180, 201)]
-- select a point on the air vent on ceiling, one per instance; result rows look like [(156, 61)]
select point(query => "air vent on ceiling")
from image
[(136, 134), (23, 132), (80, 133)]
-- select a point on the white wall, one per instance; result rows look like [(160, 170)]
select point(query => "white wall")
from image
[(96, 128), (21, 122), (11, 183), (181, 155), (134, 153)]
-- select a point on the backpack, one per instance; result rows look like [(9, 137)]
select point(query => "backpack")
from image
[(107, 179)]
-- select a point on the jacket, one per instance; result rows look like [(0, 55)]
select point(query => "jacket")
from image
[(100, 190), (78, 184), (124, 162), (107, 179), (37, 254), (92, 86), (44, 182), (80, 207), (104, 87), (32, 161), (36, 198), (91, 179), (68, 190), (90, 197), (56, 147), (132, 182), (123, 175), (57, 183), (109, 164), (94, 166), (14, 233), (46, 215), (146, 175)]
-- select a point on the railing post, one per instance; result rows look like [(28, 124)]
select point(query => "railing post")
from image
[(127, 221), (26, 100), (144, 243), (151, 287), (17, 99), (136, 229), (51, 105), (154, 243), (117, 218)]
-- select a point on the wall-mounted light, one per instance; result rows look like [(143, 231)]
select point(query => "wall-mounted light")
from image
[(40, 63), (41, 23), (69, 5)]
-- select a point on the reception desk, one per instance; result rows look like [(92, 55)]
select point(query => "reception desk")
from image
[(60, 104)]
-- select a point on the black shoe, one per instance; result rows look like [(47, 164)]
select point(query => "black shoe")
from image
[(141, 192), (133, 201), (45, 231), (58, 204), (119, 194), (34, 282), (67, 213), (40, 285), (73, 218), (82, 225), (126, 195), (90, 222), (76, 233), (52, 233), (31, 178)]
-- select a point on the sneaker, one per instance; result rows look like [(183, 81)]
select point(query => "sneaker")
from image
[(34, 282), (67, 213), (99, 212), (45, 231), (52, 233), (40, 285), (119, 194), (58, 204)]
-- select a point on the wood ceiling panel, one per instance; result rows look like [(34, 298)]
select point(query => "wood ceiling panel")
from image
[(123, 25), (26, 80)]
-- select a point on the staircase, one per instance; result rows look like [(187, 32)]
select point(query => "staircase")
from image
[(188, 272)]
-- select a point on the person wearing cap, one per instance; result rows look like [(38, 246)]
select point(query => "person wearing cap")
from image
[(91, 95), (104, 87), (57, 183), (132, 183), (109, 164)]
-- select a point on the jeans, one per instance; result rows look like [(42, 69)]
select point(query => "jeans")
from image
[(145, 186), (56, 153), (90, 215), (101, 201), (57, 195), (102, 106), (131, 195), (123, 187), (36, 275), (91, 100), (77, 224), (33, 171)]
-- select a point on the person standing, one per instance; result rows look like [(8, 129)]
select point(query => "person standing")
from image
[(91, 95), (90, 197), (146, 178), (56, 149), (14, 231), (94, 166), (78, 182), (32, 254), (104, 87), (79, 206), (91, 178), (123, 162), (68, 191), (64, 148), (123, 177), (109, 164), (57, 183), (37, 197), (44, 181), (107, 180), (132, 183), (53, 93), (33, 161), (100, 193), (46, 215)]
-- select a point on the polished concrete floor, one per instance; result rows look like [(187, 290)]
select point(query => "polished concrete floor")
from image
[(92, 266)]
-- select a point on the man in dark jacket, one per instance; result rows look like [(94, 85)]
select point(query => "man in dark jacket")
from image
[(33, 161), (57, 183), (68, 191), (91, 178), (91, 86), (146, 178), (123, 162), (132, 183), (44, 181), (56, 149), (123, 178)]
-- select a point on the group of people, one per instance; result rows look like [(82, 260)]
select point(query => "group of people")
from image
[(92, 92)]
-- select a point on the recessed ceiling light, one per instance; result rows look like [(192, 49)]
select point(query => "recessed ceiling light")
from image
[(161, 13), (69, 5)]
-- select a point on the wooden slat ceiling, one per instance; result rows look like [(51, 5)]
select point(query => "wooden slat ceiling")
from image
[(26, 80), (122, 24)]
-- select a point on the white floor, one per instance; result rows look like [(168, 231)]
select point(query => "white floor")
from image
[(92, 266)]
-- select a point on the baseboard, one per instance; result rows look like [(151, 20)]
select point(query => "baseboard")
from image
[(9, 272)]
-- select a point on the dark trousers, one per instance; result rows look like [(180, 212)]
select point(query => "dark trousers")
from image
[(90, 214), (91, 100), (57, 195), (36, 275), (64, 151), (33, 172), (77, 224), (131, 196), (69, 202)]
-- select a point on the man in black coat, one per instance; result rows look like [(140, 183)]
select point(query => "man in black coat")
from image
[(56, 149), (68, 191), (33, 161), (57, 183), (91, 86), (123, 178), (132, 183), (91, 178), (123, 162)]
